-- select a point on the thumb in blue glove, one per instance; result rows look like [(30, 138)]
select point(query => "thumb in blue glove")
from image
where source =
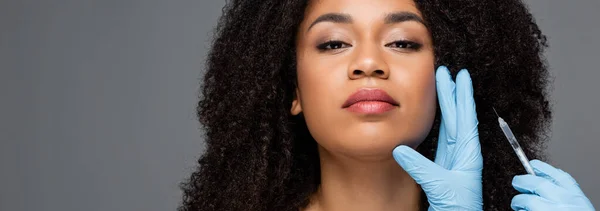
[(551, 189), (453, 181)]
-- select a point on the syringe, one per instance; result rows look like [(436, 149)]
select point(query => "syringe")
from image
[(515, 145)]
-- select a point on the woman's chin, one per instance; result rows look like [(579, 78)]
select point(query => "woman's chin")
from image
[(368, 148), (370, 140)]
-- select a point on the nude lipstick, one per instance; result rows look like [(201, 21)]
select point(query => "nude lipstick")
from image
[(369, 101)]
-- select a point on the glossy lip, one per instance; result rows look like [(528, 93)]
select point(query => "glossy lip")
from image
[(369, 95)]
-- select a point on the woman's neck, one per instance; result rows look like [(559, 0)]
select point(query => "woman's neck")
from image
[(351, 184)]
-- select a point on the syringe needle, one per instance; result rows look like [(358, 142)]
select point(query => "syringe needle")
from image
[(496, 112)]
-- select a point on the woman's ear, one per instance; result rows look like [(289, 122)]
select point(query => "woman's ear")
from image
[(296, 104)]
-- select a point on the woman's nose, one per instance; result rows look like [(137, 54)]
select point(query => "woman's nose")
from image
[(368, 63)]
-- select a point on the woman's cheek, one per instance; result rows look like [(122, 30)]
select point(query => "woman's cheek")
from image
[(322, 97)]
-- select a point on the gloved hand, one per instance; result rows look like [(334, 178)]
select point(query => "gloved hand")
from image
[(453, 182), (551, 189)]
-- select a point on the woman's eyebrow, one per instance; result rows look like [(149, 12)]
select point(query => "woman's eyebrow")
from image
[(390, 18), (332, 17), (398, 17)]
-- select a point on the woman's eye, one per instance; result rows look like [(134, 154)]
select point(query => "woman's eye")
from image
[(332, 45), (410, 45)]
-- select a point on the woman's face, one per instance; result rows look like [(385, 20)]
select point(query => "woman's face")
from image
[(366, 79)]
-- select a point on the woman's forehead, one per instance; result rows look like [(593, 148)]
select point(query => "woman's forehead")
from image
[(359, 11)]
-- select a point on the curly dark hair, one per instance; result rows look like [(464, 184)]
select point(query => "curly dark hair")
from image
[(260, 157)]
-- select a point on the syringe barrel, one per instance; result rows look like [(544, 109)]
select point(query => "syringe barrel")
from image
[(508, 133), (516, 147)]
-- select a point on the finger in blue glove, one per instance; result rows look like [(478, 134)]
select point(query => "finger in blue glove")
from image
[(550, 189), (453, 181)]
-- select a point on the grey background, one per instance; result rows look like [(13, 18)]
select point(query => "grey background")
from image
[(98, 98)]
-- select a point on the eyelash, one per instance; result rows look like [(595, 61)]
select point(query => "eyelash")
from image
[(402, 44), (328, 46), (408, 44)]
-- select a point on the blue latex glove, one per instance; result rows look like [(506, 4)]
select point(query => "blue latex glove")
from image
[(551, 189), (453, 182)]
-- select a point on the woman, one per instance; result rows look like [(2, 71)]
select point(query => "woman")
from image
[(320, 105)]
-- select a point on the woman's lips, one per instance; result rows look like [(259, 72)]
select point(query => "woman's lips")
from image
[(370, 107), (369, 101)]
